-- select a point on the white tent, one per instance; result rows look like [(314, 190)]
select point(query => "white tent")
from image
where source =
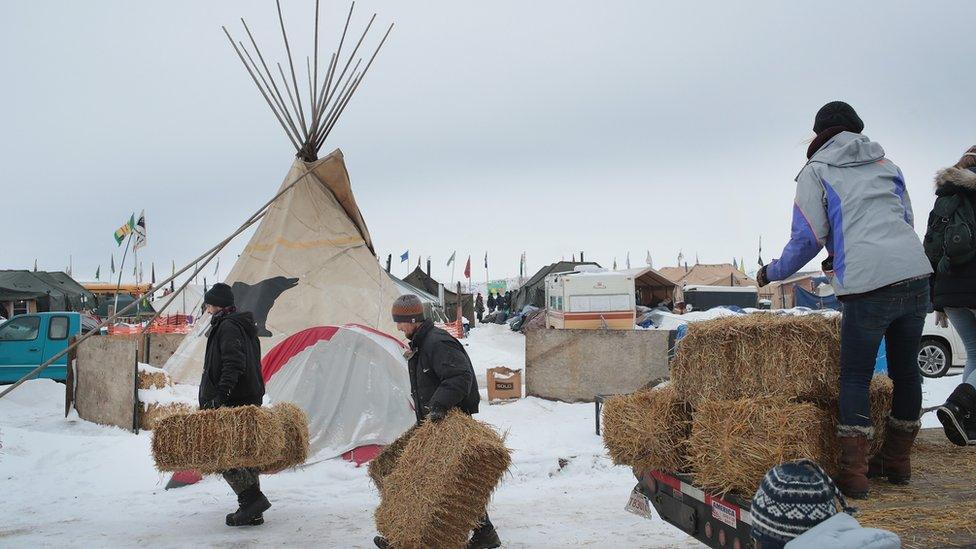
[(352, 382)]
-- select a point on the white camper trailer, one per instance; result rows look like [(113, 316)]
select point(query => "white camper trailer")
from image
[(591, 299)]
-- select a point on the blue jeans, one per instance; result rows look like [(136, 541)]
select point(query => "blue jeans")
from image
[(964, 322), (896, 313)]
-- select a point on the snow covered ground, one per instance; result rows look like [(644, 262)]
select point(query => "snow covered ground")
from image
[(67, 482)]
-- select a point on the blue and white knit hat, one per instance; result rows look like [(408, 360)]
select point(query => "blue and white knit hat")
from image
[(793, 497)]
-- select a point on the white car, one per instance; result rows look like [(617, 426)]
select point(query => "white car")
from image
[(940, 350)]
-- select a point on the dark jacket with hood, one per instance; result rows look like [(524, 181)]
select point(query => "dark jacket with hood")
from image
[(956, 288), (232, 364), (441, 375)]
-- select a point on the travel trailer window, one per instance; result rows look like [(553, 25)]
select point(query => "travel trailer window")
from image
[(599, 303)]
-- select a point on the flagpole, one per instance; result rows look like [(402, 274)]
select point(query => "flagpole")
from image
[(128, 241)]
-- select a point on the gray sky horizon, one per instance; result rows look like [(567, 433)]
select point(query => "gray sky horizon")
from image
[(545, 127)]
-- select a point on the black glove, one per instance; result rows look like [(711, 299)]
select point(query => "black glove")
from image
[(436, 414), (212, 404), (761, 277)]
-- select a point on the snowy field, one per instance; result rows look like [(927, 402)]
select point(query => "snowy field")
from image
[(70, 483)]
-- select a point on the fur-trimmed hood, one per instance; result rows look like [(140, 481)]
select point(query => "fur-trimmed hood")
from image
[(963, 178)]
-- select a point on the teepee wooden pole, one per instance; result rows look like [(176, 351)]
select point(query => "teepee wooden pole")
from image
[(291, 65), (271, 79)]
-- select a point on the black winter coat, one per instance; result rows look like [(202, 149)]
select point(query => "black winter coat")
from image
[(492, 302), (441, 375), (957, 288), (232, 364)]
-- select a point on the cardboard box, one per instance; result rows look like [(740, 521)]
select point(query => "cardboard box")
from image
[(504, 384)]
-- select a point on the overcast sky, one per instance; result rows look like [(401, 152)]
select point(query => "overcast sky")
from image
[(508, 126)]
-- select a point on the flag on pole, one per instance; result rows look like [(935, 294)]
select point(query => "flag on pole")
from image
[(172, 282), (113, 263), (760, 251), (405, 257), (35, 265), (681, 257), (450, 260), (486, 260), (124, 230), (648, 260), (98, 273), (628, 260), (140, 230), (153, 275), (467, 268), (615, 263)]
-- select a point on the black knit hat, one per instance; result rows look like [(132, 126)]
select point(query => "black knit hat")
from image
[(837, 113), (793, 497), (408, 308), (219, 296)]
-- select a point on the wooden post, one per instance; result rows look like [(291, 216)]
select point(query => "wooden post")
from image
[(460, 310)]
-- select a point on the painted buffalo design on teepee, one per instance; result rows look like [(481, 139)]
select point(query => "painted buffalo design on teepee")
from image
[(260, 298)]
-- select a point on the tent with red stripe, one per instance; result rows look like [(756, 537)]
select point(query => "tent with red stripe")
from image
[(352, 382)]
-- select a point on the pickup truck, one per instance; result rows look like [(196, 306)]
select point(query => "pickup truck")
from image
[(942, 480), (28, 340)]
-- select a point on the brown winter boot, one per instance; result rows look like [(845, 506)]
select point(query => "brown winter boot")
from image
[(852, 478), (894, 459)]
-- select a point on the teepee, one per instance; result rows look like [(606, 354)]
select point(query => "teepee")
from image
[(311, 260)]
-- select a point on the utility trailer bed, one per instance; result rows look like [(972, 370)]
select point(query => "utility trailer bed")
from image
[(937, 510)]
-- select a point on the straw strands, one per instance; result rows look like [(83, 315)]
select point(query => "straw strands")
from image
[(735, 442), (647, 429), (759, 355), (151, 413), (294, 423), (216, 440), (382, 465), (153, 379), (440, 486)]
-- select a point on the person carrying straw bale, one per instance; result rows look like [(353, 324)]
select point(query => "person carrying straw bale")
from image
[(954, 284), (232, 377), (441, 378), (853, 201)]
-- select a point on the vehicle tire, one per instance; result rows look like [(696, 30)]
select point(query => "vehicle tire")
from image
[(934, 358)]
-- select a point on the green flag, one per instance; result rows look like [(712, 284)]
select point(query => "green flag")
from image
[(124, 230), (98, 273)]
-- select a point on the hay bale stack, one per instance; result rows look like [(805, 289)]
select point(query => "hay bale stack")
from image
[(440, 486), (382, 465), (647, 429), (759, 355), (152, 378), (881, 393), (216, 440), (151, 413), (734, 443), (294, 424)]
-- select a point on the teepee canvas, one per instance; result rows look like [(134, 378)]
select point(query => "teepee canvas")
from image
[(311, 260)]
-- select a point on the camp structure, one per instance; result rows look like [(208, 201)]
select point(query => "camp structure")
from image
[(423, 281), (352, 383), (24, 292), (432, 305), (651, 288), (701, 274), (533, 292), (311, 261)]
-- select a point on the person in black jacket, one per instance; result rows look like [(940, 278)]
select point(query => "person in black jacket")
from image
[(492, 302), (232, 377), (441, 378), (954, 300), (479, 306)]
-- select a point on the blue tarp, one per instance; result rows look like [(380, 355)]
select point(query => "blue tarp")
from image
[(803, 298)]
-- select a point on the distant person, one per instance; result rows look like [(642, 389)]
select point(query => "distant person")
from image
[(492, 302), (853, 200), (232, 377), (441, 379), (954, 285), (508, 301), (479, 306)]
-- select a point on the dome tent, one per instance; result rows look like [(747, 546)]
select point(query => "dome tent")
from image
[(352, 382)]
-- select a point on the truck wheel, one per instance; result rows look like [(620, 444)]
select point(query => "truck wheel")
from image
[(934, 358)]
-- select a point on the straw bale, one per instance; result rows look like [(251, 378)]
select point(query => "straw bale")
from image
[(439, 488), (153, 379), (382, 465), (151, 413), (734, 443), (759, 355), (881, 393), (647, 429), (216, 440), (294, 424)]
